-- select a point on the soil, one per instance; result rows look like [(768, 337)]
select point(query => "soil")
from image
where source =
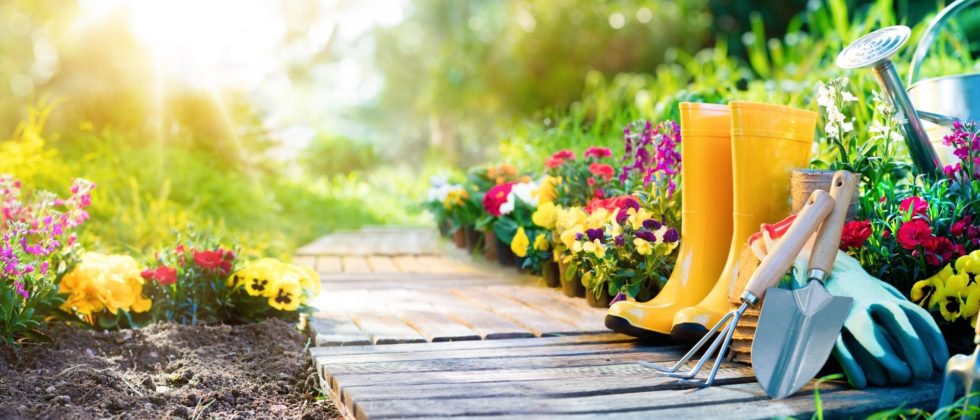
[(243, 371)]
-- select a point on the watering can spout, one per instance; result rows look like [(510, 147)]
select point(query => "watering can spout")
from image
[(874, 50)]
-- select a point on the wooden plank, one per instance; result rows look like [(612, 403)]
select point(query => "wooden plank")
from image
[(746, 399), (386, 328), (354, 264), (437, 327), (336, 329), (409, 264), (534, 320), (485, 323), (305, 261), (495, 344), (382, 264), (327, 264), (572, 311), (537, 384)]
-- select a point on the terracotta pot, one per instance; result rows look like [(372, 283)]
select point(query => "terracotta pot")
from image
[(459, 238), (598, 302), (472, 238), (489, 245), (803, 182), (550, 272)]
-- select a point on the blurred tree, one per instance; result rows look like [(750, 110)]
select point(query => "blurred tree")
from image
[(453, 69)]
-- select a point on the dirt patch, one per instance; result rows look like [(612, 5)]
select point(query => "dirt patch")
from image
[(244, 371)]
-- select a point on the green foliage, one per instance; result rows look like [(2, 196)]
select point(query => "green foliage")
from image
[(335, 155)]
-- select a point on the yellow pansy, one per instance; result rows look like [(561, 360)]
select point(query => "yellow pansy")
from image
[(541, 243), (951, 303), (546, 215), (972, 304), (520, 243), (924, 291), (598, 218), (568, 236), (546, 192), (259, 277), (637, 217), (643, 247), (285, 294), (104, 282), (567, 218), (595, 247), (455, 198)]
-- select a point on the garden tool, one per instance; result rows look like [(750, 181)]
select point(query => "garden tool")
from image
[(707, 208), (768, 142), (961, 372), (939, 101), (772, 268), (797, 329)]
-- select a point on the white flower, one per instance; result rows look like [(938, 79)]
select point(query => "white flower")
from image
[(524, 191), (848, 97), (825, 95), (847, 127), (438, 181), (508, 206), (834, 115), (439, 193), (831, 129)]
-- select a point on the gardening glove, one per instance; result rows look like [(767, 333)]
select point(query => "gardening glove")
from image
[(886, 339)]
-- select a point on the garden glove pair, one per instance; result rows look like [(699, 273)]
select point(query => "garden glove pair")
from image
[(886, 339)]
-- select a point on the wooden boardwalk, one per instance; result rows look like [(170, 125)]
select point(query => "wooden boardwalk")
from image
[(408, 328)]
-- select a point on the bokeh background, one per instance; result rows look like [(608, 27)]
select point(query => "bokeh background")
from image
[(275, 121)]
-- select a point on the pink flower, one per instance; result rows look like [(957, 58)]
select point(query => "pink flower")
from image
[(495, 197), (854, 234), (559, 158), (918, 205), (597, 152), (913, 233), (602, 170)]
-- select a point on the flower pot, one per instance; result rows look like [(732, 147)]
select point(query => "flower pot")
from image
[(571, 286), (489, 245), (598, 302), (459, 238), (444, 228), (505, 256), (472, 238), (803, 182), (550, 272)]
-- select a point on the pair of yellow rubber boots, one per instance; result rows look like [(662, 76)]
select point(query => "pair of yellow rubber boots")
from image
[(736, 161)]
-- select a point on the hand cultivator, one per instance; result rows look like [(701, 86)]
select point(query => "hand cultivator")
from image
[(766, 275), (961, 373)]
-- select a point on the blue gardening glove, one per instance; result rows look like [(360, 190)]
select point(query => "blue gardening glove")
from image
[(886, 339)]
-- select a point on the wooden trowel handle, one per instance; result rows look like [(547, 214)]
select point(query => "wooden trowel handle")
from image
[(778, 261), (828, 238)]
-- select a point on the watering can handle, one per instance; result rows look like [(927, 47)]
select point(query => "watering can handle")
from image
[(931, 33)]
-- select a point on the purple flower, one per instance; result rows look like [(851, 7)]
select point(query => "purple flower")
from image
[(619, 296), (595, 234), (620, 240), (646, 235), (671, 235), (579, 236), (21, 290), (621, 216), (651, 224)]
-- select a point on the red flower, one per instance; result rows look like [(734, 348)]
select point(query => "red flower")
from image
[(913, 233), (495, 197), (602, 170), (212, 261), (613, 205), (163, 275), (918, 205), (939, 250), (559, 158), (960, 225), (854, 234), (597, 152)]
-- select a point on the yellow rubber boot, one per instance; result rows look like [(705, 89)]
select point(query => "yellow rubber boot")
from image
[(768, 142), (706, 208)]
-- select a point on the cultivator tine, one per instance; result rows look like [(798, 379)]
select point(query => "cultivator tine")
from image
[(715, 351)]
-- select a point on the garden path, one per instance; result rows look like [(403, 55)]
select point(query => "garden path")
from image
[(407, 327)]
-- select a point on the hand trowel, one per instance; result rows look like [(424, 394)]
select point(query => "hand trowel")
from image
[(798, 328)]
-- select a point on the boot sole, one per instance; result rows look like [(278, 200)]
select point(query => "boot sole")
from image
[(688, 332), (621, 325)]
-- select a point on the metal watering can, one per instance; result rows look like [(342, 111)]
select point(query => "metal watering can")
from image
[(940, 101)]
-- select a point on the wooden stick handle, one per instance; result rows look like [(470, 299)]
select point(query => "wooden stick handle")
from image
[(781, 257), (828, 238)]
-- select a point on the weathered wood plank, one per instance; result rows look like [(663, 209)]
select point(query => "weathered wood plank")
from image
[(355, 264), (329, 264), (486, 324), (386, 328), (336, 329), (409, 264), (573, 311), (305, 261), (437, 327), (536, 321), (467, 345), (382, 264)]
